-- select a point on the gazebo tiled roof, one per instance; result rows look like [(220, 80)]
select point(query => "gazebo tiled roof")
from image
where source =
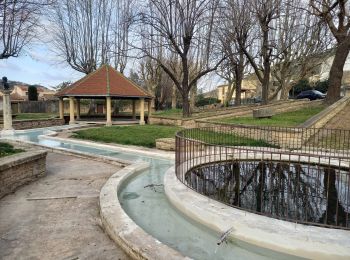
[(104, 82)]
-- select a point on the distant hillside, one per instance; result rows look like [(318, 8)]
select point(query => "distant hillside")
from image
[(11, 82)]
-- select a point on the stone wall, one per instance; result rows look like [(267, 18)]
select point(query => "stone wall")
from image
[(19, 169), (277, 107), (28, 124)]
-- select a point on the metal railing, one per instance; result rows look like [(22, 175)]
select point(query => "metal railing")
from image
[(295, 174)]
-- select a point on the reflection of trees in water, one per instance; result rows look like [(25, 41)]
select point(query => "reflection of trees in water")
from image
[(302, 192)]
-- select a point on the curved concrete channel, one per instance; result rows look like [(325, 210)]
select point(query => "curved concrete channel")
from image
[(142, 197)]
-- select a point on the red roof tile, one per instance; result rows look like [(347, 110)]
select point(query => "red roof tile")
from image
[(105, 81)]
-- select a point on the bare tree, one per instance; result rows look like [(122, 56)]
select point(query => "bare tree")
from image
[(81, 31), (19, 21), (123, 17), (234, 32), (336, 15), (261, 54), (301, 43), (182, 29)]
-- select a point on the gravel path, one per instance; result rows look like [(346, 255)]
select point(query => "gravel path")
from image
[(57, 217)]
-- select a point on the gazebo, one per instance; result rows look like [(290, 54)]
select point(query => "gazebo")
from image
[(104, 83)]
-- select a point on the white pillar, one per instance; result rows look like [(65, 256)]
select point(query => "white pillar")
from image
[(149, 110), (134, 109), (109, 111), (71, 111), (142, 111), (61, 107), (77, 108), (7, 111)]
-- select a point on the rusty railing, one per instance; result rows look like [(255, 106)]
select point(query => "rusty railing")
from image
[(294, 174)]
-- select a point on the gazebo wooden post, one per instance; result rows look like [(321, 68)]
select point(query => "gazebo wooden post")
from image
[(109, 111), (142, 111), (71, 110), (77, 108), (133, 109), (61, 107)]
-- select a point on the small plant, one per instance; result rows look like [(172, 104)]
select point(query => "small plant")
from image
[(7, 149)]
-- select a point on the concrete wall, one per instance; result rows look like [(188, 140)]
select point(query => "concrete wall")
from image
[(19, 169)]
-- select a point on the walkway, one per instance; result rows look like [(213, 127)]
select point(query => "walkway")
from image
[(57, 217), (341, 120)]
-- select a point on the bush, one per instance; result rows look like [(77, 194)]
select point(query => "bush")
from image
[(203, 101), (32, 93)]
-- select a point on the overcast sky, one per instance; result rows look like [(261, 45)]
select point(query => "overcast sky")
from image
[(39, 65)]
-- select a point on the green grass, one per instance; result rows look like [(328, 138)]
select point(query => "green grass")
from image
[(172, 113), (287, 119), (216, 138), (27, 116), (7, 149), (130, 135)]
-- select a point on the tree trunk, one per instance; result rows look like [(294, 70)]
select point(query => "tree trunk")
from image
[(285, 91), (266, 63), (193, 97), (239, 78), (186, 112), (173, 99), (336, 72)]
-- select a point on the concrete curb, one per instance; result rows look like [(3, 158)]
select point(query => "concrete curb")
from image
[(134, 240), (281, 236)]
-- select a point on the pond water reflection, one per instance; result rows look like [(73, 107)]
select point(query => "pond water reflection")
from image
[(305, 193)]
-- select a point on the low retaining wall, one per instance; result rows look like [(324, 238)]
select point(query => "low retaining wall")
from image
[(277, 107), (19, 169), (28, 124)]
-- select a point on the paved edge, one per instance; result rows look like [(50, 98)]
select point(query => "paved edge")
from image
[(277, 235), (122, 229)]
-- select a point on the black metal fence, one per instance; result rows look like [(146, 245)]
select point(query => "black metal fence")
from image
[(295, 174)]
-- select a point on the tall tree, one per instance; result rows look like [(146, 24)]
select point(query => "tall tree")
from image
[(88, 33), (261, 54), (234, 32), (81, 32), (19, 21), (336, 15), (301, 42), (182, 29)]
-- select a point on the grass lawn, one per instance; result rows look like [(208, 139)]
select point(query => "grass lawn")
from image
[(27, 116), (286, 119), (216, 138), (172, 113), (144, 135), (7, 149)]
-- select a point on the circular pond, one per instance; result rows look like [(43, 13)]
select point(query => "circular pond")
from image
[(294, 191)]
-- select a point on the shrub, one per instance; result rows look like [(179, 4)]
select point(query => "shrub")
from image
[(32, 93), (203, 101)]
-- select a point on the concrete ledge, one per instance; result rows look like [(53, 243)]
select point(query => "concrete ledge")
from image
[(134, 240), (281, 236), (19, 169)]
